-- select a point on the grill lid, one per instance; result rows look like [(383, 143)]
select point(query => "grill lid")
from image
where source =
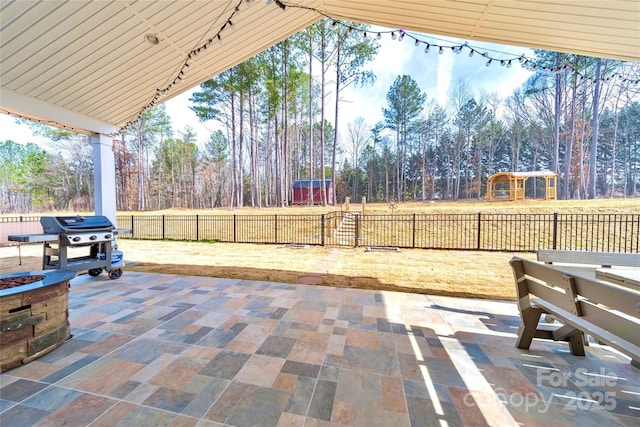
[(75, 224)]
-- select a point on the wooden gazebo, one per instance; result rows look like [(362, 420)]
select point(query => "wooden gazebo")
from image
[(512, 185)]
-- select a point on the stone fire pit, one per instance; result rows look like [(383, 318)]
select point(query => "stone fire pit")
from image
[(34, 315)]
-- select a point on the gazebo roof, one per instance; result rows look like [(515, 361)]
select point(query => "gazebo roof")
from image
[(530, 174), (92, 66)]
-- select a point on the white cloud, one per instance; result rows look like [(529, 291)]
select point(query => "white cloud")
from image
[(446, 63), (182, 116), (20, 133)]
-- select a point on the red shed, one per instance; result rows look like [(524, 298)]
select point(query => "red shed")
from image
[(301, 191)]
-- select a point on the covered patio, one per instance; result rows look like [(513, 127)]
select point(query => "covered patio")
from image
[(96, 67), (166, 350)]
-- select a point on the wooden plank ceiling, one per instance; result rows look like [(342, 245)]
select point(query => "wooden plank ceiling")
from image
[(69, 63)]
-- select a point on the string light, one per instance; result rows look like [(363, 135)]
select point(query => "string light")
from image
[(162, 93), (455, 48), (458, 48)]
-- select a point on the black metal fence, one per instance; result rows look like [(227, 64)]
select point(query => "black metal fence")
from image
[(483, 232)]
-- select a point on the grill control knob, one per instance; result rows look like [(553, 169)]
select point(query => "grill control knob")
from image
[(76, 239), (107, 236), (93, 237)]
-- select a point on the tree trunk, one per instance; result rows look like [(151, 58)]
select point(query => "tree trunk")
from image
[(285, 125), (311, 116), (569, 146), (556, 123), (141, 198), (594, 137), (240, 189), (234, 164), (323, 194), (335, 129)]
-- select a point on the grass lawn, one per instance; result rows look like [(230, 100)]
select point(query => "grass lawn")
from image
[(453, 273)]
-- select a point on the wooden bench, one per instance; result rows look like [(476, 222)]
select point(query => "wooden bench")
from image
[(584, 258), (583, 305)]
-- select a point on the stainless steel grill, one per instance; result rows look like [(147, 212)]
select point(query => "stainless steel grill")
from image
[(61, 233)]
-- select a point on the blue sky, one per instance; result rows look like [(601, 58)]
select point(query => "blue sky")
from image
[(436, 75)]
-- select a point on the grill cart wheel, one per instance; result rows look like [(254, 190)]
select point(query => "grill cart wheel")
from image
[(115, 273), (95, 272)]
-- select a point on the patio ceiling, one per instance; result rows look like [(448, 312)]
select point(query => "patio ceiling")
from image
[(87, 66)]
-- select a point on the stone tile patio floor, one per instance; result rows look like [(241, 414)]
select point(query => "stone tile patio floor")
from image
[(165, 350)]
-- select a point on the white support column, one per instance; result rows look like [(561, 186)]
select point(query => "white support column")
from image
[(104, 176)]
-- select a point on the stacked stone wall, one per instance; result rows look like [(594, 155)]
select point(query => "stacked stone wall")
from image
[(32, 324)]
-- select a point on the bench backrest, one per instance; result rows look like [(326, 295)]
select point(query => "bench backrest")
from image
[(615, 309), (602, 259)]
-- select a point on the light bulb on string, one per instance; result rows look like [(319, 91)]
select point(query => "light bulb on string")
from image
[(417, 43), (441, 50), (401, 37), (471, 52), (393, 35), (488, 62), (379, 36), (364, 36), (426, 49), (509, 64)]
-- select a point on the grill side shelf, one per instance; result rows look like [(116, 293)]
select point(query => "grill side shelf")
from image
[(33, 238)]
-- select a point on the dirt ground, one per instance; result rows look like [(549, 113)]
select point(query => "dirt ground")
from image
[(436, 272)]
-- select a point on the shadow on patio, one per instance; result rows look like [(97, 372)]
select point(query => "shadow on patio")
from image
[(160, 350)]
